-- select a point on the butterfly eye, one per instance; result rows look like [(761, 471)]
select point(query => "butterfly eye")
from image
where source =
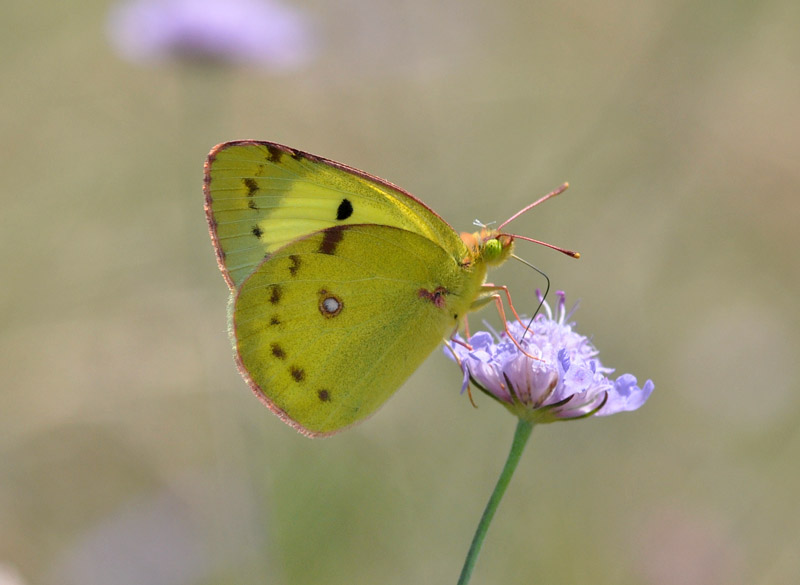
[(493, 248)]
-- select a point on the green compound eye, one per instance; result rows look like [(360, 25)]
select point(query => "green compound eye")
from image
[(492, 249)]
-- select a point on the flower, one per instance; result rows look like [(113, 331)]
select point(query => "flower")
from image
[(235, 31), (564, 382)]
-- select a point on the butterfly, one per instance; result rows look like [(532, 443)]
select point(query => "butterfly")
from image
[(341, 283)]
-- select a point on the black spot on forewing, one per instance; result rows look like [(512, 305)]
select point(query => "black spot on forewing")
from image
[(330, 239), (344, 210), (295, 264), (324, 395), (274, 320), (257, 231)]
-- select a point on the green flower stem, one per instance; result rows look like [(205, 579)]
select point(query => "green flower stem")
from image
[(521, 435)]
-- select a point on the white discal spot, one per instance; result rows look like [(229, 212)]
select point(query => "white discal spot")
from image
[(329, 305)]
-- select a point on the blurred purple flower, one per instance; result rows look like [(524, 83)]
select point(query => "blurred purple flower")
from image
[(566, 382), (234, 31)]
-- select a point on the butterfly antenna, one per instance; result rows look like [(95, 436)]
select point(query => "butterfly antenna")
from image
[(541, 300), (569, 253), (550, 195)]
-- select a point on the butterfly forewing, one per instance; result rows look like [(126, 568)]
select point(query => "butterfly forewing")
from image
[(260, 196)]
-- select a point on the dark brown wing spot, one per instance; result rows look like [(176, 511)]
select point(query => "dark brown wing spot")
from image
[(257, 231), (274, 320), (275, 294), (331, 238), (275, 153), (299, 374), (252, 204), (295, 264), (277, 351), (344, 210), (251, 186), (324, 395)]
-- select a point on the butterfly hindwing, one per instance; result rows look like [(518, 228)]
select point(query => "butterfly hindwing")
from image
[(331, 324), (261, 196)]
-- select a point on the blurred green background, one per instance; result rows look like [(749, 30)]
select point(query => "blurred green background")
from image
[(131, 451)]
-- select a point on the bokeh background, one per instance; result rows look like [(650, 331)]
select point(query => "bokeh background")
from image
[(130, 450)]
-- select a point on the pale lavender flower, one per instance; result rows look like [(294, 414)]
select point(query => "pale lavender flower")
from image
[(567, 381), (260, 32)]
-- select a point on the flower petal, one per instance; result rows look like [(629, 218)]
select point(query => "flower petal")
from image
[(626, 395), (567, 381)]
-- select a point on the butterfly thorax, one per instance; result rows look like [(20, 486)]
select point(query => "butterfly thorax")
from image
[(487, 246)]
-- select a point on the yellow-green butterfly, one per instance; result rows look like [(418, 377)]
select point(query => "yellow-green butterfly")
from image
[(341, 283)]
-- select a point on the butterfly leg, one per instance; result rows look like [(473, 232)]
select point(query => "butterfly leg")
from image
[(466, 335), (494, 295), (463, 344)]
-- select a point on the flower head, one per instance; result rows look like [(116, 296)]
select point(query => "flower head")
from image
[(235, 31), (565, 381)]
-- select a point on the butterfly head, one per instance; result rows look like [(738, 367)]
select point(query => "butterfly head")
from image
[(493, 246), (489, 246)]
